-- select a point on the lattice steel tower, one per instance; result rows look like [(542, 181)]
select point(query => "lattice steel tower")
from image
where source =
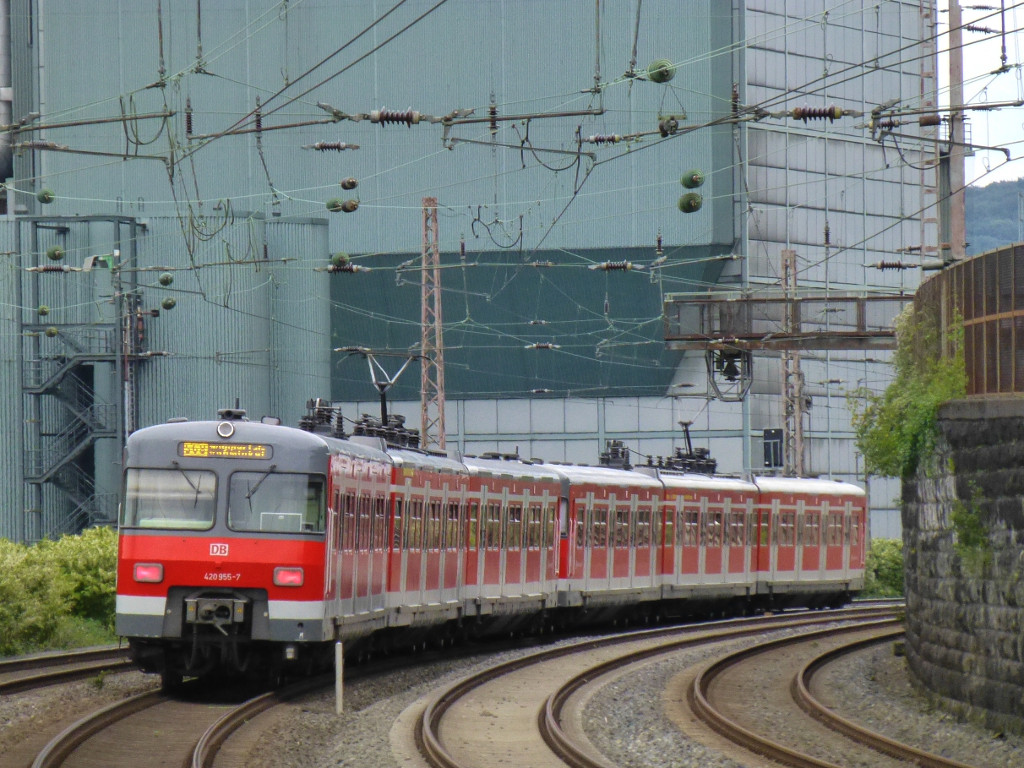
[(432, 345)]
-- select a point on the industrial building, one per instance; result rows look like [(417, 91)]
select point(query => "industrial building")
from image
[(218, 203)]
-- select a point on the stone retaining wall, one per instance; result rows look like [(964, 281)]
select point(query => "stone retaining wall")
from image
[(963, 540)]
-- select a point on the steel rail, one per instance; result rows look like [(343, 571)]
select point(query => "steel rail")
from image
[(812, 706), (85, 664), (427, 733), (736, 733)]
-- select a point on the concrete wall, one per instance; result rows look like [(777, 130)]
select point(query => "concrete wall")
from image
[(965, 601)]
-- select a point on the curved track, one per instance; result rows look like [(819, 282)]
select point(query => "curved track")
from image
[(522, 723), (721, 696), (30, 672)]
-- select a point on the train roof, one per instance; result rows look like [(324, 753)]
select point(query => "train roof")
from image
[(411, 458), (676, 480), (820, 486), (493, 466), (578, 473)]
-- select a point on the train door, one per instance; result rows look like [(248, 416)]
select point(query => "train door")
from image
[(598, 549), (346, 561), (579, 568), (735, 541), (412, 548), (763, 542), (642, 569), (665, 566), (513, 573), (835, 562), (432, 546), (551, 549), (688, 534), (534, 545), (810, 565), (363, 545), (712, 536), (395, 560), (621, 544), (473, 564), (453, 541), (857, 534), (785, 542), (378, 565), (490, 541)]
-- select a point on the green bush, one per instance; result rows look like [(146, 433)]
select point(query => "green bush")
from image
[(50, 587), (883, 569)]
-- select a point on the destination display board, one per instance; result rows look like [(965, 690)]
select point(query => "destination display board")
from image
[(195, 449)]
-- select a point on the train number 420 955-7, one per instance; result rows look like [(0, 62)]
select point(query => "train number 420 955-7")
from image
[(222, 576)]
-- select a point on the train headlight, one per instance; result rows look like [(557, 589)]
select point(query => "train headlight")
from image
[(151, 573), (288, 577)]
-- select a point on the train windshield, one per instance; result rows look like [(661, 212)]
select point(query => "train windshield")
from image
[(169, 498), (282, 502)]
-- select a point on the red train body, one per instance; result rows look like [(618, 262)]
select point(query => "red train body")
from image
[(248, 545)]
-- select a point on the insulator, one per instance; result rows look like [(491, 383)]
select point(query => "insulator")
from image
[(259, 117), (168, 303), (45, 196), (347, 268), (888, 124), (538, 322), (333, 146), (188, 116), (543, 345), (659, 250), (493, 112), (668, 126), (927, 120), (613, 266), (735, 99), (660, 71), (50, 268), (349, 183), (55, 253), (603, 138), (828, 235), (692, 179), (384, 116), (690, 202), (805, 113), (884, 265), (166, 278)]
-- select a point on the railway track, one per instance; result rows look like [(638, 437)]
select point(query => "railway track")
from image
[(173, 732), (514, 712), (756, 716), (36, 671)]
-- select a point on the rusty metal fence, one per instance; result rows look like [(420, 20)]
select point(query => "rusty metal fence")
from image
[(987, 293)]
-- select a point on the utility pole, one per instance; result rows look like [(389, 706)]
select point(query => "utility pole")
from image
[(432, 430), (957, 135), (792, 379)]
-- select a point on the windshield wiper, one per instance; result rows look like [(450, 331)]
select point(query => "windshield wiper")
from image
[(260, 482), (195, 502)]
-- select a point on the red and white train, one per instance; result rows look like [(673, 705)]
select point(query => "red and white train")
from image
[(247, 545)]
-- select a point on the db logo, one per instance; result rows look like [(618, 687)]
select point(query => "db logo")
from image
[(218, 550)]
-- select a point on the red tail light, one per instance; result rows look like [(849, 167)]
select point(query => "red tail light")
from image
[(288, 577), (152, 573)]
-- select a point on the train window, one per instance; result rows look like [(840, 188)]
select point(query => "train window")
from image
[(473, 524), (581, 526), (283, 502), (711, 533), (834, 532), (414, 524), (365, 522), (380, 522), (514, 529), (812, 529), (620, 532), (670, 526), (451, 532), (854, 531), (181, 499), (348, 521), (492, 527), (787, 529), (534, 531), (737, 529), (549, 526), (643, 528), (399, 523), (599, 528), (688, 530), (434, 530)]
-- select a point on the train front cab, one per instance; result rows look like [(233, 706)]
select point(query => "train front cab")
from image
[(810, 541), (221, 545)]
